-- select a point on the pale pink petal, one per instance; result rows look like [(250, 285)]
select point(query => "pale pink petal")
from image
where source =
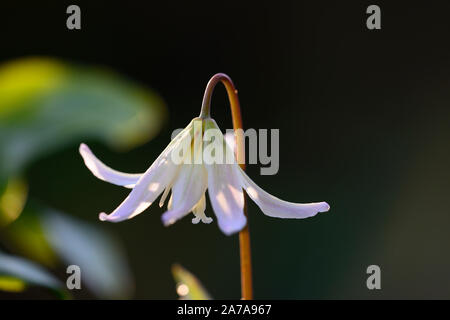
[(227, 198), (187, 191), (105, 173), (161, 174), (191, 183), (274, 207)]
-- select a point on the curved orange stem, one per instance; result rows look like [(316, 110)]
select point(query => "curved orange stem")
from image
[(244, 234)]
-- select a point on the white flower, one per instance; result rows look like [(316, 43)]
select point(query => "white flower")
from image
[(189, 179)]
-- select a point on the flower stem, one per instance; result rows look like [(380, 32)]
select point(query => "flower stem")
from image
[(244, 234)]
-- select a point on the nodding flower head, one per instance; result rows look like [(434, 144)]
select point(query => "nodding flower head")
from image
[(196, 160)]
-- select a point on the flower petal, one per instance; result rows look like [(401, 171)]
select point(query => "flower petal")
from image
[(227, 197), (191, 183), (152, 183), (187, 191), (105, 173), (230, 140), (274, 207)]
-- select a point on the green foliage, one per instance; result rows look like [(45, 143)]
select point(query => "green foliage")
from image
[(46, 104), (98, 254), (25, 236), (57, 240), (188, 286), (13, 195), (17, 272)]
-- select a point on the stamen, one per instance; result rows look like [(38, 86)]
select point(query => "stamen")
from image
[(206, 219), (164, 196)]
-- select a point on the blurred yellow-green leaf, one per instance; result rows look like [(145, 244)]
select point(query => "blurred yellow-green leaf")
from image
[(46, 103), (12, 284), (13, 196), (187, 285), (55, 240), (25, 236)]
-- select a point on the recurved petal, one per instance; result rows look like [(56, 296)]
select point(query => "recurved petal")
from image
[(105, 173), (274, 207), (160, 175), (187, 191), (226, 195)]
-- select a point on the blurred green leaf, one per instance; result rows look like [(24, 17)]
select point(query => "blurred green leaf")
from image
[(104, 268), (188, 286), (25, 237), (46, 103), (50, 237), (13, 196), (12, 284), (14, 270)]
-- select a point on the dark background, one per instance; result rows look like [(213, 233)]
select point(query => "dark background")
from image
[(364, 125)]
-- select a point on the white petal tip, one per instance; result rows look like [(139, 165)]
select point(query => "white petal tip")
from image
[(85, 152), (324, 207), (83, 147), (167, 221), (103, 216), (231, 228)]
